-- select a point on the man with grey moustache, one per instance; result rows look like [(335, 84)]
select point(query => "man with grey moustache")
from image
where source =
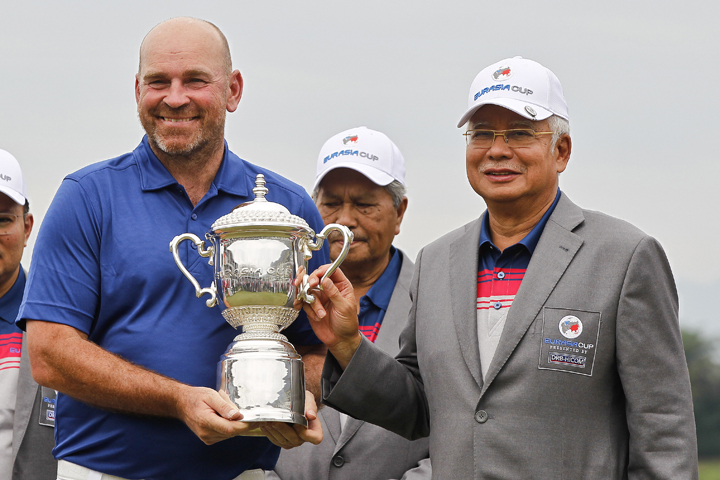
[(360, 183)]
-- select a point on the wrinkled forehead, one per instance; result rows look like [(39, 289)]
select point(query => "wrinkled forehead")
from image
[(496, 117), (8, 205), (344, 181)]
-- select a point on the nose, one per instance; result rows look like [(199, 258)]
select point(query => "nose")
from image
[(176, 96), (346, 216), (499, 148)]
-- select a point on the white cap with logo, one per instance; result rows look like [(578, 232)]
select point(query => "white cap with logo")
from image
[(12, 182), (367, 151), (518, 84)]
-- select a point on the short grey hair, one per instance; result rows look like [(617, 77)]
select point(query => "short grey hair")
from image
[(395, 189), (559, 126)]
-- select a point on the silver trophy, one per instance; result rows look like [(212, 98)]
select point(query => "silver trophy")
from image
[(257, 250)]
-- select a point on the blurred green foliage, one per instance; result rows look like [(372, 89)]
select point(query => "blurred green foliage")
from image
[(701, 352), (710, 470)]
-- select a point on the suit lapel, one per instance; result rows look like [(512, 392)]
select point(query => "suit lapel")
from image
[(348, 432), (463, 270), (393, 323), (331, 417), (553, 253), (397, 313)]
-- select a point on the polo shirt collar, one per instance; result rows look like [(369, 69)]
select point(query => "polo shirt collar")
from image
[(230, 177), (10, 302), (530, 240), (382, 290)]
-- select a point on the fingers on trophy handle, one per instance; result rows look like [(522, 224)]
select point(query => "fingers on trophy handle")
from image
[(203, 252), (304, 293), (348, 237)]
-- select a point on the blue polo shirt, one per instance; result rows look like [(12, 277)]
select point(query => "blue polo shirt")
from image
[(374, 303), (10, 304), (10, 334), (515, 257), (101, 264)]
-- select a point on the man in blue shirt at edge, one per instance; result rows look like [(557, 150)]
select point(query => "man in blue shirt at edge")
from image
[(17, 391), (112, 323)]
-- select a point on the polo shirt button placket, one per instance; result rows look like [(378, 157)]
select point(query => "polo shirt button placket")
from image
[(193, 217), (501, 275)]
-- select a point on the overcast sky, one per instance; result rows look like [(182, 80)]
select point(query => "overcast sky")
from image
[(640, 79)]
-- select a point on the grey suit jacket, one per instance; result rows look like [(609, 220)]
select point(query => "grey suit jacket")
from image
[(362, 451), (32, 442), (627, 414)]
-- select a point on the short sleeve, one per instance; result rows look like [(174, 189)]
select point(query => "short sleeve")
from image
[(63, 284)]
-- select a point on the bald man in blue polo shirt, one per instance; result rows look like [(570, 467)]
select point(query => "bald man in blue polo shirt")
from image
[(112, 324)]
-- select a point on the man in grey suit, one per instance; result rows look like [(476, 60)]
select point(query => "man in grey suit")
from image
[(360, 183), (543, 341)]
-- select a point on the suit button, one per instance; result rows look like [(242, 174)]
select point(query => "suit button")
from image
[(481, 416), (338, 461)]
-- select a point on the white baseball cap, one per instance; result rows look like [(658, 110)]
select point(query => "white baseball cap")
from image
[(518, 84), (12, 182), (367, 151)]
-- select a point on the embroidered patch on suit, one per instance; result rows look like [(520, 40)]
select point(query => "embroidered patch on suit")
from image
[(569, 340), (47, 407)]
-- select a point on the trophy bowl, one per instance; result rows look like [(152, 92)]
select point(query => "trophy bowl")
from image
[(256, 252)]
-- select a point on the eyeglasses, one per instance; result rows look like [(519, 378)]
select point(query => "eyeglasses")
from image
[(7, 223), (515, 138)]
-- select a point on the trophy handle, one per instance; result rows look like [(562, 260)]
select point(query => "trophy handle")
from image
[(348, 236), (199, 292)]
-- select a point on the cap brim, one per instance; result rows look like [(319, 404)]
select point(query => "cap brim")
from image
[(517, 106), (376, 176), (15, 196)]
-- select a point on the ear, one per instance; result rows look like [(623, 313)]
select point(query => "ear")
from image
[(562, 152), (137, 88), (236, 90), (400, 214), (29, 222)]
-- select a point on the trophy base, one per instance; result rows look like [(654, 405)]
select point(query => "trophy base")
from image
[(266, 414), (265, 380)]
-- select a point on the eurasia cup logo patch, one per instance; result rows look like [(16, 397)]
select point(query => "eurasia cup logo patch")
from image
[(570, 326), (350, 140), (502, 74)]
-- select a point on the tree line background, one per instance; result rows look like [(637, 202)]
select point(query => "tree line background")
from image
[(703, 360)]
